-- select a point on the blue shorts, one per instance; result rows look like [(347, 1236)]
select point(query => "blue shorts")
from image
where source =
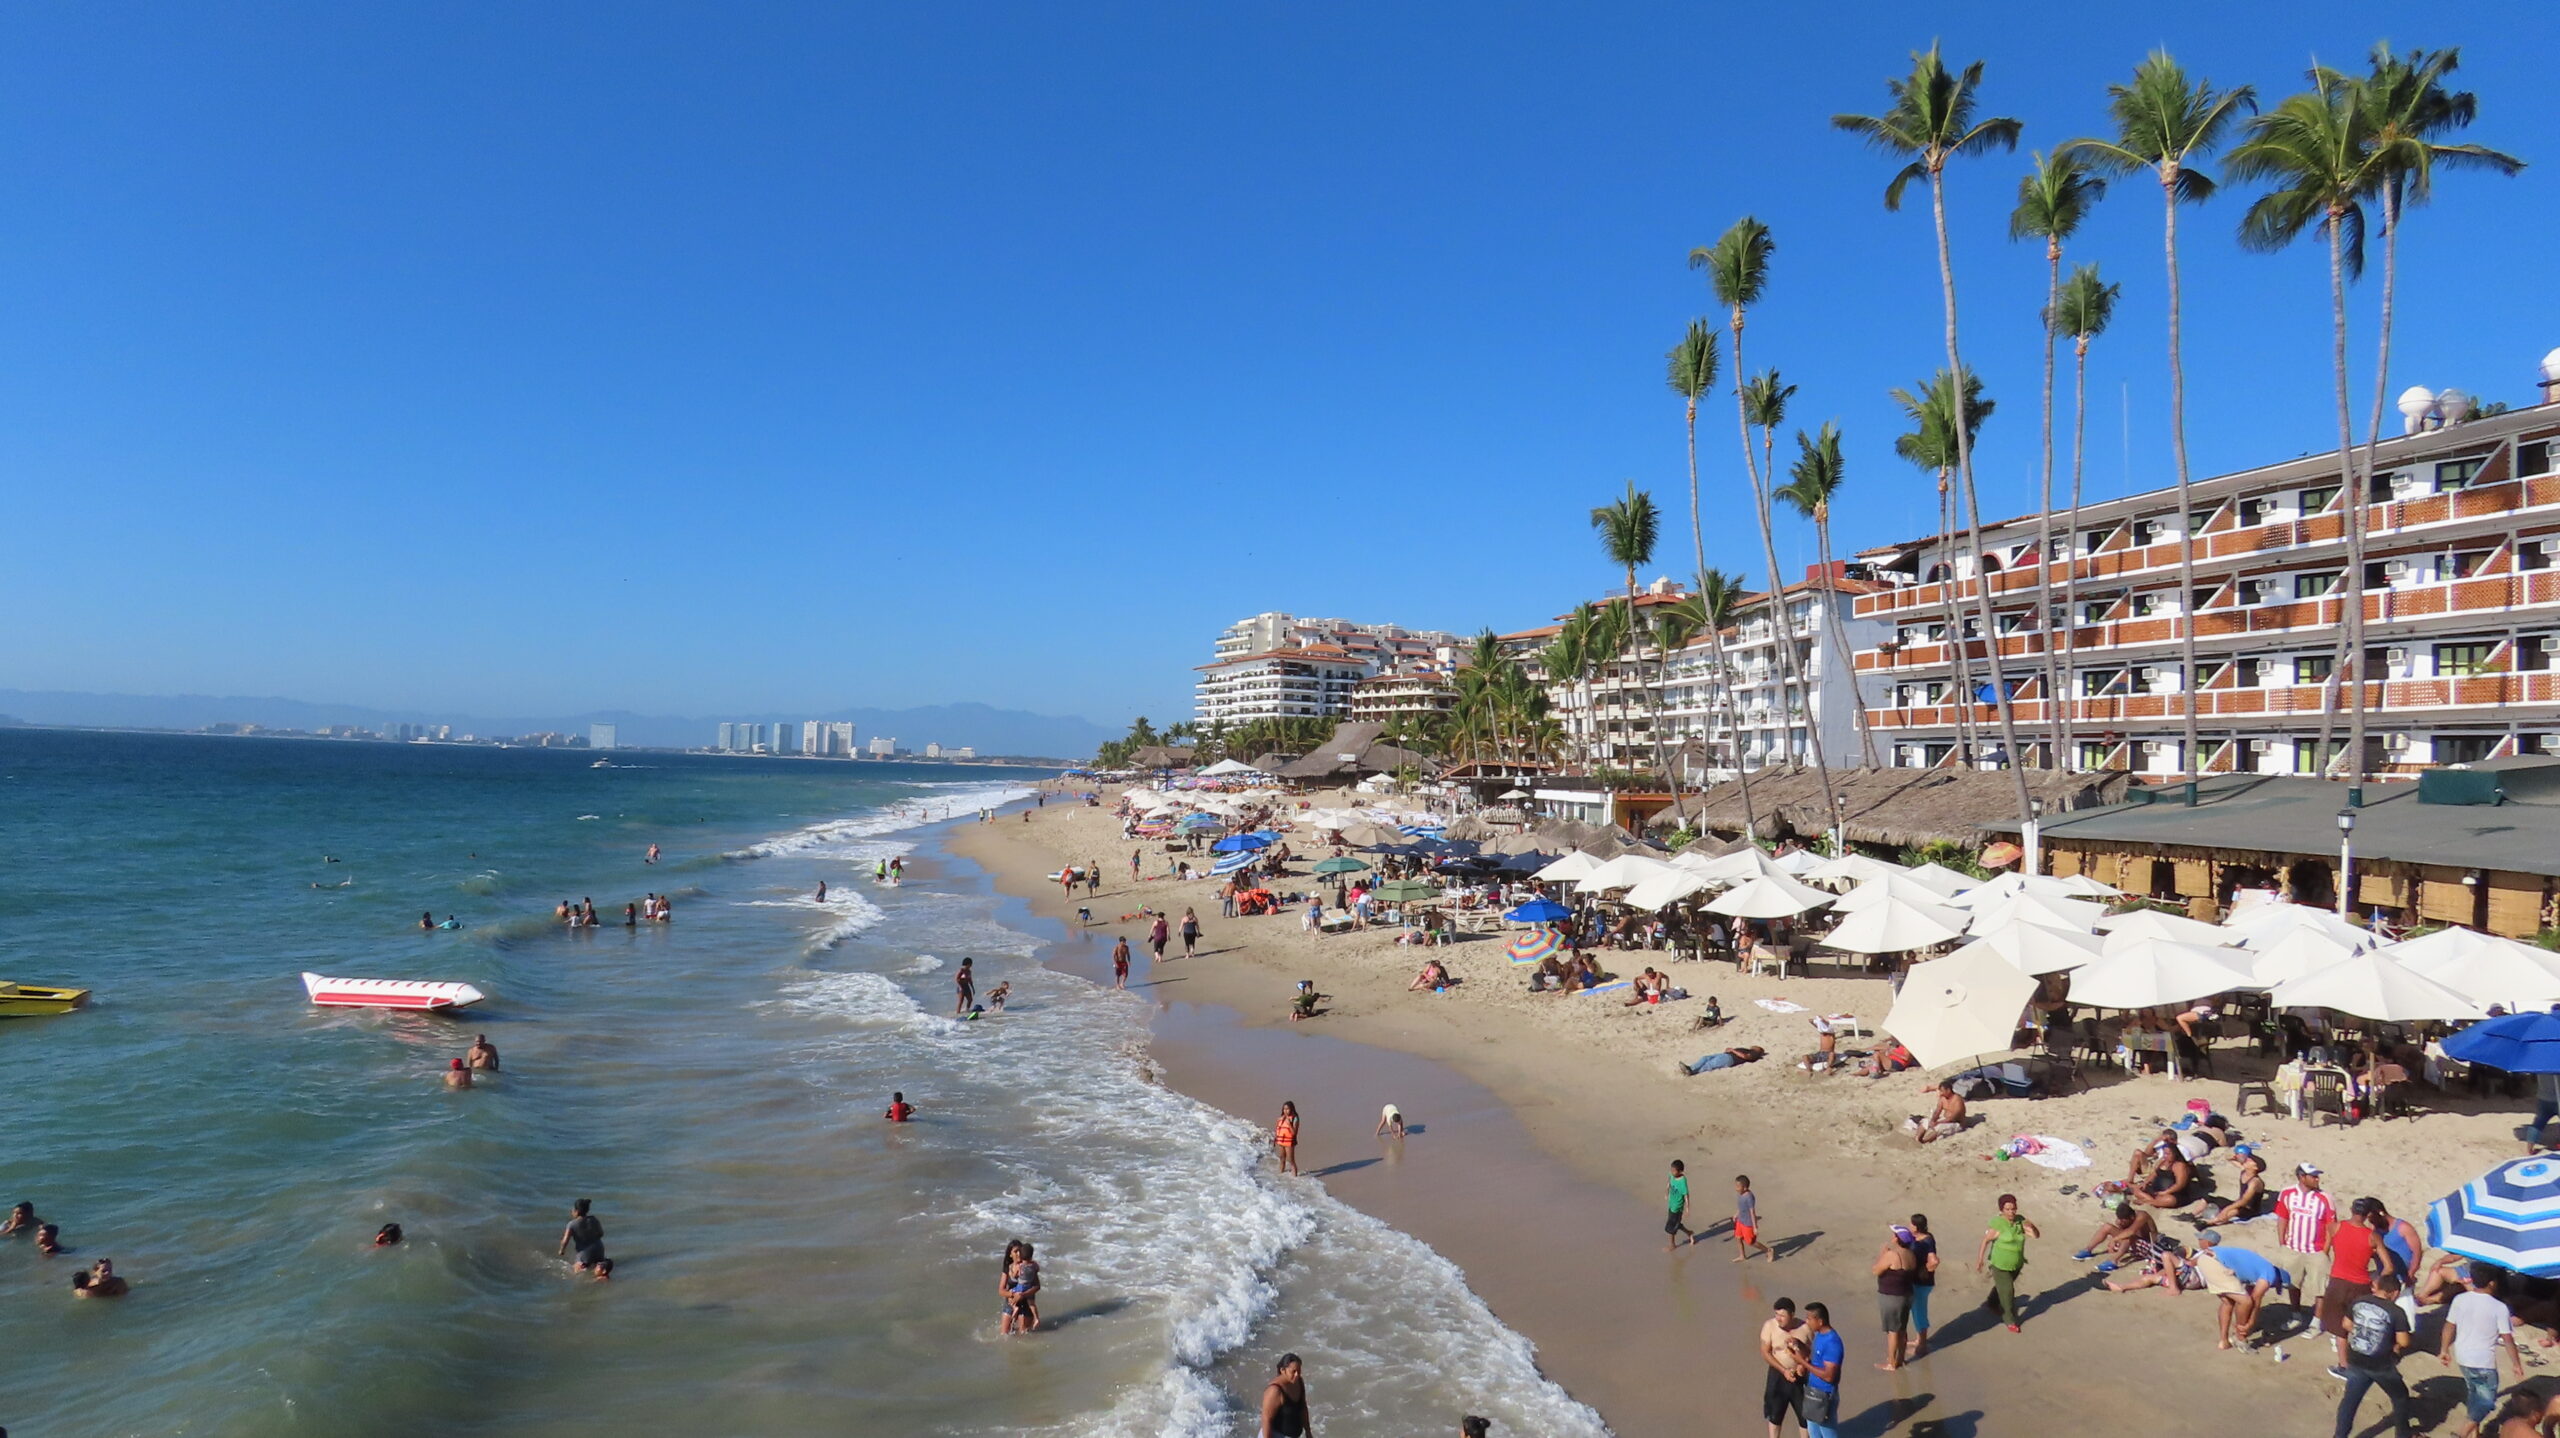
[(2479, 1392)]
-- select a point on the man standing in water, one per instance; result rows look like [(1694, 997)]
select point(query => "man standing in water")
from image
[(966, 981), (482, 1054), (585, 1233), (1120, 962), (1284, 1402)]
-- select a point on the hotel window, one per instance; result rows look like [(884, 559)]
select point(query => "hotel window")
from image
[(2093, 756), (2312, 586), (2096, 682), (2144, 604), (2461, 659), (2458, 473), (2534, 458), (2318, 498), (2383, 486), (2095, 611), (2256, 511), (2534, 554), (2469, 562), (2463, 748), (2313, 668), (2310, 756), (2091, 539), (2145, 531), (2248, 672)]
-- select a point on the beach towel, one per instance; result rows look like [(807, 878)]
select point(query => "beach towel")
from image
[(1780, 1006), (2046, 1151), (1602, 989)]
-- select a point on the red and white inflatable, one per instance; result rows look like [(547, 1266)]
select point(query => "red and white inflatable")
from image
[(389, 993)]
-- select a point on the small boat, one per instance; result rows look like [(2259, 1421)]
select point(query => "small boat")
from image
[(20, 1001), (389, 993), (608, 763)]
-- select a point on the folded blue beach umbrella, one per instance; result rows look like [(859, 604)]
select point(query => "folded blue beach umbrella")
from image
[(1241, 843), (2517, 1043), (2509, 1216), (1539, 911)]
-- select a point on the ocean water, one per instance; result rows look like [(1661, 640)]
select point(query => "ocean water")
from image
[(786, 1262)]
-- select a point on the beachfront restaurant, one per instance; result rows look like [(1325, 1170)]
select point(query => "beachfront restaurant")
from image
[(2477, 846)]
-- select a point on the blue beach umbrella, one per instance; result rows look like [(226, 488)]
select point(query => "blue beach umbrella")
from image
[(1202, 821), (1539, 911), (1241, 843), (2509, 1216), (1229, 863), (2517, 1043)]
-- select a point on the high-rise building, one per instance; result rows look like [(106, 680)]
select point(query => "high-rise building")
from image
[(840, 737), (2461, 610), (1279, 666), (883, 747), (728, 738), (601, 736)]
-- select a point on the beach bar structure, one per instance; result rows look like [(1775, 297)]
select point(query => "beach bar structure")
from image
[(2461, 606), (2477, 846)]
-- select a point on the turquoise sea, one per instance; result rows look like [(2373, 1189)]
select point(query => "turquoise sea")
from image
[(786, 1263)]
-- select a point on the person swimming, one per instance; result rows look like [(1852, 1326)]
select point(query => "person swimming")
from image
[(22, 1219), (48, 1239), (900, 1111), (386, 1236), (450, 923), (585, 1232), (457, 1076), (426, 921), (99, 1281)]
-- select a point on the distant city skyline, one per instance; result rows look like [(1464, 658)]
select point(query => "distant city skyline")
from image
[(486, 361)]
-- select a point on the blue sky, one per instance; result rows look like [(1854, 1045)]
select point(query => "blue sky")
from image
[(691, 358)]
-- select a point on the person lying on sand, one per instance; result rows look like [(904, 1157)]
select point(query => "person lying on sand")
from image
[(1730, 1058)]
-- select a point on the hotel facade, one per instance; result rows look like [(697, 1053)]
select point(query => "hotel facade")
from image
[(1281, 666), (2461, 608)]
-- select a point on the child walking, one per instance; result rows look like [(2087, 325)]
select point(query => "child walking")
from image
[(1677, 1225), (1746, 1220)]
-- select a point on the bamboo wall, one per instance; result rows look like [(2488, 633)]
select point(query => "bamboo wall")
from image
[(2434, 893)]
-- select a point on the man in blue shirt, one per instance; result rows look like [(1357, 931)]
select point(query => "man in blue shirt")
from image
[(1821, 1410), (2241, 1280)]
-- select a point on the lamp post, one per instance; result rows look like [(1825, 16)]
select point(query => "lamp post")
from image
[(2346, 862), (2033, 832), (1839, 818)]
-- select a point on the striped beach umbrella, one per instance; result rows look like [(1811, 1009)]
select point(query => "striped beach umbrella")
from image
[(1530, 945), (2509, 1216)]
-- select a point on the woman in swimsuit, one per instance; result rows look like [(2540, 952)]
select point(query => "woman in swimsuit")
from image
[(1284, 1401), (1284, 1137), (1022, 1293), (22, 1219)]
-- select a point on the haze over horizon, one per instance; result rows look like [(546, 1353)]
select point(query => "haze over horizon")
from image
[(682, 361)]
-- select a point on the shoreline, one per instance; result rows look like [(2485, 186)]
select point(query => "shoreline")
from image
[(1592, 1093)]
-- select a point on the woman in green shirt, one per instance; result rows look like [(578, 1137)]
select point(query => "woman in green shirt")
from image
[(2004, 1250)]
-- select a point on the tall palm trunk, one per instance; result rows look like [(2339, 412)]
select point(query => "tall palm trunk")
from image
[(1787, 644), (1715, 636), (2057, 713), (1966, 739), (2189, 759), (1973, 508), (1777, 583), (2357, 494), (2071, 540), (1839, 625), (2373, 447)]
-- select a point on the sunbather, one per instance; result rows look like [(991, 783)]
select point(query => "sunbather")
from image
[(1730, 1058), (2118, 1238), (1945, 1119), (2249, 1202)]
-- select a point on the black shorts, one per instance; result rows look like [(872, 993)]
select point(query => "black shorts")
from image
[(591, 1255), (1675, 1223), (1779, 1396)]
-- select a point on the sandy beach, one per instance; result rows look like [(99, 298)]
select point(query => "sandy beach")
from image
[(1545, 1183)]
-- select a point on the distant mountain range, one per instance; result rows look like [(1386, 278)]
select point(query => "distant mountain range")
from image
[(981, 727)]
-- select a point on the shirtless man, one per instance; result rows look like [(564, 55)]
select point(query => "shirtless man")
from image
[(1782, 1347), (2116, 1238), (653, 855), (103, 1282), (585, 1233), (966, 983), (482, 1055), (457, 1076), (1946, 1117)]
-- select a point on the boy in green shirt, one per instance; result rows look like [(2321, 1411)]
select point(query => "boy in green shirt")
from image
[(1678, 1223)]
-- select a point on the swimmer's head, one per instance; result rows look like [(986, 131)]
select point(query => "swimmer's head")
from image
[(386, 1235), (604, 1270), (581, 1206)]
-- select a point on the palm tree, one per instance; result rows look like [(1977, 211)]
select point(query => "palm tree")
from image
[(1713, 609), (2081, 311), (1609, 631), (1672, 628), (2317, 148), (1568, 656), (1931, 446), (2166, 125), (1692, 372), (1931, 121), (2053, 198), (1764, 406), (1813, 482), (1628, 529)]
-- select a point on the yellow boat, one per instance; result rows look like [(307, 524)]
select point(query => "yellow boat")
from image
[(18, 1001)]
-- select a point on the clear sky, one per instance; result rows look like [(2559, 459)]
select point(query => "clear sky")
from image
[(513, 358)]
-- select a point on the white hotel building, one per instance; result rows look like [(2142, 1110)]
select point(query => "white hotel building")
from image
[(1279, 666), (2461, 609)]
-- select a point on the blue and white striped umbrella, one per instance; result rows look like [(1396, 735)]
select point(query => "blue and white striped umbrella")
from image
[(2509, 1216), (1229, 863)]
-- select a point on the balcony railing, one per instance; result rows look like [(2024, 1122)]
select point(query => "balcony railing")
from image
[(2479, 691)]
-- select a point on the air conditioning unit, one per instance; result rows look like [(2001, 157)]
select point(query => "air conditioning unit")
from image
[(2397, 658), (2551, 743), (2550, 643), (2395, 569), (2396, 743), (2261, 746)]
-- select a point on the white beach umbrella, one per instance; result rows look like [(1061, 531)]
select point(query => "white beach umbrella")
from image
[(2081, 886), (1893, 926), (1748, 862), (1891, 886), (1770, 896), (1328, 818), (2001, 888), (1666, 888), (2043, 910), (2153, 924), (2150, 972), (2373, 985), (1225, 767), (1623, 872), (1954, 1008), (2483, 967), (1943, 879), (1572, 866), (2262, 924), (1856, 869), (2298, 952), (2034, 949), (1798, 862)]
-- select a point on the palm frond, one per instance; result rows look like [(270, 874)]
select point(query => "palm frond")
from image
[(1692, 363)]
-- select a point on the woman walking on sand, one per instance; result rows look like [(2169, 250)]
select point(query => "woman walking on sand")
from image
[(1190, 932), (1284, 1137), (2004, 1250)]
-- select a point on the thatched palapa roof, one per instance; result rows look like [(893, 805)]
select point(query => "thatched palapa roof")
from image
[(1892, 806)]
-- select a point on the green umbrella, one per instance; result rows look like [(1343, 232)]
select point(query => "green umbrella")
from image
[(1397, 891), (1340, 866)]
